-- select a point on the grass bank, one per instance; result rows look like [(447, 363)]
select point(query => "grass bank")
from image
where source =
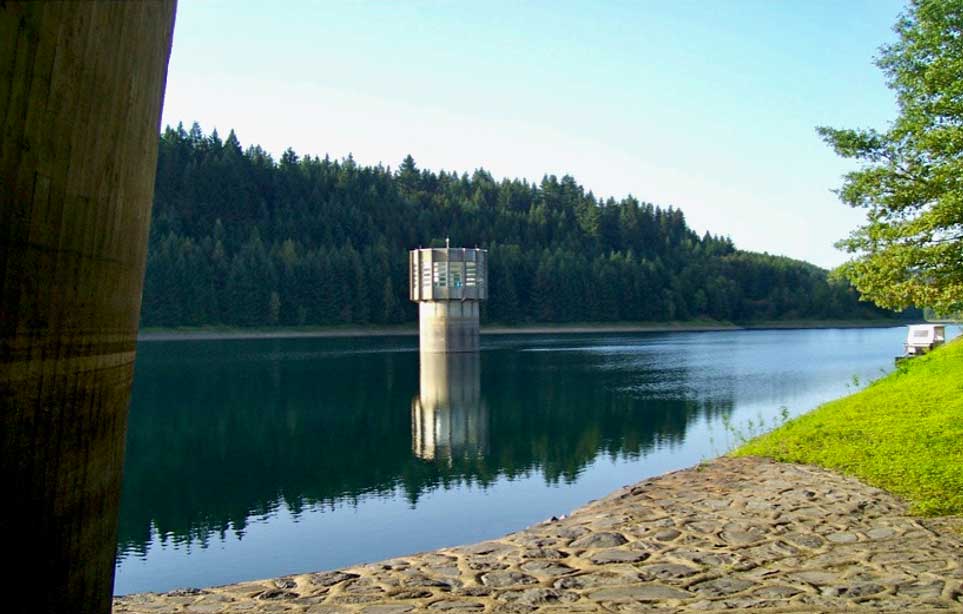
[(902, 433)]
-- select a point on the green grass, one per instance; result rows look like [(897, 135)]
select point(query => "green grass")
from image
[(903, 433)]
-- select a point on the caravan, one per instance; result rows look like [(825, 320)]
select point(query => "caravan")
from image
[(921, 338)]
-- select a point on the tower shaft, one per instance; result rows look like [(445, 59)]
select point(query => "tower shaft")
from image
[(448, 284)]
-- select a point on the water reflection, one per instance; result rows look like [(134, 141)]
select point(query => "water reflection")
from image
[(351, 451), (223, 433), (449, 418)]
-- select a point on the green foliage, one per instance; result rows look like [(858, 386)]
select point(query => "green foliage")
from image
[(931, 316), (910, 251), (238, 239), (901, 433)]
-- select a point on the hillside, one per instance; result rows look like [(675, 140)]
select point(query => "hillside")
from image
[(240, 239)]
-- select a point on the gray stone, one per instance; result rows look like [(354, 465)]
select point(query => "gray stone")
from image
[(285, 583), (717, 504), (805, 540), (701, 557), (450, 571), (546, 568), (605, 539), (667, 535), (667, 571), (330, 578), (186, 592), (423, 580), (506, 578), (411, 593), (475, 591), (486, 564), (862, 589), (454, 605), (539, 596), (596, 579), (205, 608), (363, 585), (355, 598), (571, 532), (880, 533), (842, 538), (618, 556), (488, 548), (742, 538), (387, 609), (784, 549), (276, 593), (645, 592), (544, 553), (726, 585), (776, 591)]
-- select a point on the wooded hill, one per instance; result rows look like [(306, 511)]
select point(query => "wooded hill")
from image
[(241, 239)]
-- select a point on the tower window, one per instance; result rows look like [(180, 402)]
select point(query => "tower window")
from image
[(440, 274), (471, 274), (457, 274)]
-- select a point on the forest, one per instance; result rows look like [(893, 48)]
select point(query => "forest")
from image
[(241, 239)]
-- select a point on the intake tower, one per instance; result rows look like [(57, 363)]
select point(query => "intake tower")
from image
[(448, 284)]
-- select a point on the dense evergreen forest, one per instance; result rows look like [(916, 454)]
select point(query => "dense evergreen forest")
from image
[(241, 239)]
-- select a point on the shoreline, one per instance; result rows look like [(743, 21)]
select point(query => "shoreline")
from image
[(731, 533), (216, 334), (735, 532)]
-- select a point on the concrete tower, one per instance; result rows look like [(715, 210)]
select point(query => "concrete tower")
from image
[(448, 284)]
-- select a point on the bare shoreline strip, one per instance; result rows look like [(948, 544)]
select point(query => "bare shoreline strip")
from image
[(295, 333)]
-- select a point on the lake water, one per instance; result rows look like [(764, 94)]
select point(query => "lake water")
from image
[(252, 459)]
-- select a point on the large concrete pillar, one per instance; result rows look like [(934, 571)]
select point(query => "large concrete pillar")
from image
[(81, 87)]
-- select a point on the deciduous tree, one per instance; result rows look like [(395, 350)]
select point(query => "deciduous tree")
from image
[(910, 251)]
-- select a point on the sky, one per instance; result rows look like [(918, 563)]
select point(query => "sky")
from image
[(709, 106)]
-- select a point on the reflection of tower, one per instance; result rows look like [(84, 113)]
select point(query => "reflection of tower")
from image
[(448, 284), (449, 419)]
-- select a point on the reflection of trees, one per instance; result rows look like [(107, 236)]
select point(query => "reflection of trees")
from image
[(562, 411), (215, 439)]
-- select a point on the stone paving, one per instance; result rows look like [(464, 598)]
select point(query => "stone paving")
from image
[(731, 534)]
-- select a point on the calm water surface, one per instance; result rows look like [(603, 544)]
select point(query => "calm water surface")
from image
[(251, 459)]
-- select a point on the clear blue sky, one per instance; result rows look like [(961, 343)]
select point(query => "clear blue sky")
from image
[(708, 106)]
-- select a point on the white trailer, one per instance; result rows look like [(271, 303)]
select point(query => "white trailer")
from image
[(921, 338)]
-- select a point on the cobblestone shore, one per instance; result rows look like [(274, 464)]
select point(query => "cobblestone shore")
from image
[(731, 534)]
